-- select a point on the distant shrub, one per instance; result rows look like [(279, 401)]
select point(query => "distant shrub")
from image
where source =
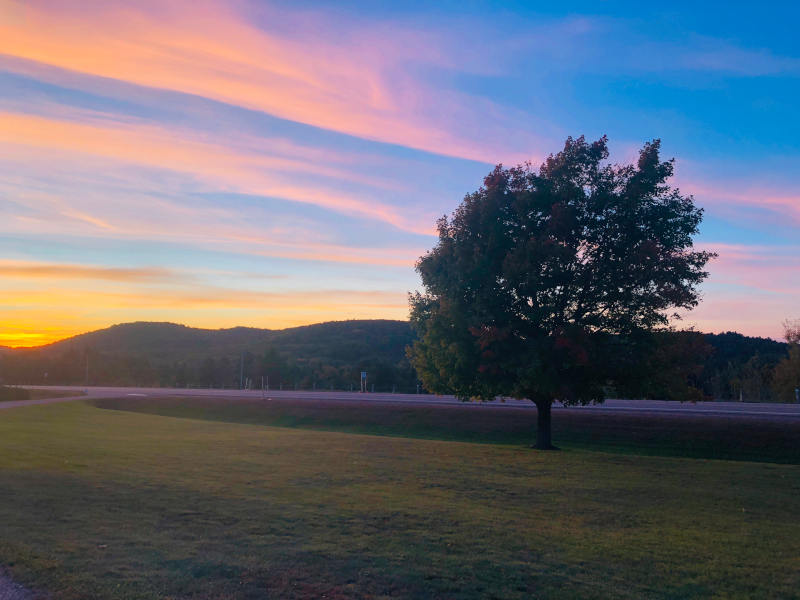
[(13, 393)]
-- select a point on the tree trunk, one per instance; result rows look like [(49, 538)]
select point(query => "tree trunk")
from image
[(544, 439)]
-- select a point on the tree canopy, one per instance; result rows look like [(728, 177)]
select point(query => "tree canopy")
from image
[(787, 372), (545, 282)]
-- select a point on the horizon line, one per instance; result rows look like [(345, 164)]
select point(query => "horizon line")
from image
[(266, 329)]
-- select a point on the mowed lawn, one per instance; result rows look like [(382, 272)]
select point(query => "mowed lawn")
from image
[(696, 436), (98, 503)]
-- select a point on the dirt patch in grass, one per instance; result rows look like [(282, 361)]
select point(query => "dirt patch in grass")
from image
[(696, 436)]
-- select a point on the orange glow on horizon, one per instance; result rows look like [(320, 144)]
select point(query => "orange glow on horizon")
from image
[(14, 335), (43, 314)]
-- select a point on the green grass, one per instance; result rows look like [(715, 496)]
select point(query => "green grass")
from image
[(696, 436), (115, 504)]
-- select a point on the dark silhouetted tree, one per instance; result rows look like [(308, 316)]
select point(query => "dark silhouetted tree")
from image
[(667, 365), (544, 282), (207, 372)]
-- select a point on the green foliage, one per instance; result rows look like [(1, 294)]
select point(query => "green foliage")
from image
[(544, 283), (787, 373), (668, 366), (740, 367)]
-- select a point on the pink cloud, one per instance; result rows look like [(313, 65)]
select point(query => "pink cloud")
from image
[(765, 268), (751, 289), (355, 81), (225, 168), (744, 313), (43, 270), (141, 216), (725, 197)]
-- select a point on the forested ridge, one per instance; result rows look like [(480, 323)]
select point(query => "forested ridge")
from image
[(324, 355), (727, 366)]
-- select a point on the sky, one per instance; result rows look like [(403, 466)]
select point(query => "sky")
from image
[(273, 164)]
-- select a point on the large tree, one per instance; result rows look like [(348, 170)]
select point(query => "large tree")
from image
[(545, 284)]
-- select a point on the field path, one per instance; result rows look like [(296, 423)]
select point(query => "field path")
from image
[(13, 591), (16, 403), (744, 410)]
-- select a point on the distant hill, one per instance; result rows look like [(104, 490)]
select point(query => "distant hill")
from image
[(168, 342), (162, 341), (731, 347), (145, 353)]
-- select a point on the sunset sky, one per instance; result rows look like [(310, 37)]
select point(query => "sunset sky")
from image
[(277, 164)]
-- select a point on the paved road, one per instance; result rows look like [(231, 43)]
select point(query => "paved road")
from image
[(654, 407)]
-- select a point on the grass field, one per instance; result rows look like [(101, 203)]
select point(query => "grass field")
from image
[(691, 436), (118, 504)]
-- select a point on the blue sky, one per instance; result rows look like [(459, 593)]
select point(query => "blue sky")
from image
[(275, 164)]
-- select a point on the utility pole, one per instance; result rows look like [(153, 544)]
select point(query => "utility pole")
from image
[(241, 371)]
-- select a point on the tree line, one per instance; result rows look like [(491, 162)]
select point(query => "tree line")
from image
[(270, 368), (679, 366)]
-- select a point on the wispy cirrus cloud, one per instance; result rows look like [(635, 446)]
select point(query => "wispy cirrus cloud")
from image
[(49, 271), (771, 269), (752, 288), (735, 194), (708, 54), (330, 301), (224, 167), (145, 218), (357, 78)]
